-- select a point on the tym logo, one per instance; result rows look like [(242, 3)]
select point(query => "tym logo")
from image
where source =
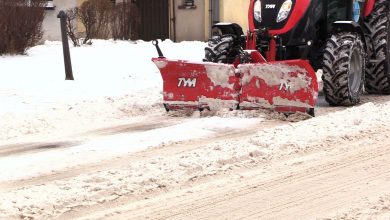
[(184, 82), (284, 86), (270, 6)]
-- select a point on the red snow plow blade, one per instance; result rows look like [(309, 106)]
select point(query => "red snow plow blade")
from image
[(285, 86), (198, 85)]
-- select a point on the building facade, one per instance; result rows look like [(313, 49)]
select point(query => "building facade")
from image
[(178, 20), (192, 20)]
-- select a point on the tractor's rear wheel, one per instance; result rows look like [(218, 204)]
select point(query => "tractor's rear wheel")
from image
[(219, 49), (377, 25), (343, 69)]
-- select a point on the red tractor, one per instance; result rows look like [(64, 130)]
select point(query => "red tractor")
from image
[(274, 65)]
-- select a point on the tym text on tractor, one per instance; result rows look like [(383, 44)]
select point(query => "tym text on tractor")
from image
[(274, 65)]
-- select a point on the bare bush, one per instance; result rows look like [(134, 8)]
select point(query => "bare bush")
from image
[(95, 16), (20, 25), (125, 21), (102, 19), (71, 25), (135, 22), (87, 17), (104, 10)]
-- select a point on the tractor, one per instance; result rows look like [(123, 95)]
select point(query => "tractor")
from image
[(274, 65)]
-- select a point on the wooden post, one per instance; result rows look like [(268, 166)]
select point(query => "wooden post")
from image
[(65, 46)]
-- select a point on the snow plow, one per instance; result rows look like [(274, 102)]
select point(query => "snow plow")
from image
[(274, 65)]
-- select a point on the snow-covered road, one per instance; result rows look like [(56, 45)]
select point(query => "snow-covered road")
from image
[(103, 147)]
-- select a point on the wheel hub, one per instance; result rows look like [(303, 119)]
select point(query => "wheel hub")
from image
[(355, 72)]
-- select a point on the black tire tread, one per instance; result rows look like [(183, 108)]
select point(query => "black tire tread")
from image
[(218, 49), (336, 64), (378, 71)]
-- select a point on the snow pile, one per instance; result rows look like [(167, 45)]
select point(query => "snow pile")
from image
[(325, 130)]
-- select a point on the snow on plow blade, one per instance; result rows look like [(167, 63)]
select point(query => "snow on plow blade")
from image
[(284, 86), (198, 85)]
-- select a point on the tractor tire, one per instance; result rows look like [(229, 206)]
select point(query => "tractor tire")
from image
[(377, 25), (219, 49), (343, 69)]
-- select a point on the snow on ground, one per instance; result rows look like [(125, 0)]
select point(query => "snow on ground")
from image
[(169, 171), (113, 80), (116, 85), (100, 148)]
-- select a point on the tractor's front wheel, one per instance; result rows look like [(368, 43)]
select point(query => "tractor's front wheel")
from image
[(343, 69), (219, 49)]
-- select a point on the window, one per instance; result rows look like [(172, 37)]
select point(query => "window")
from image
[(188, 4), (336, 11)]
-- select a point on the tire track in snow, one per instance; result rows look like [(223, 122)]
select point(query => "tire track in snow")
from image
[(313, 185), (34, 147), (155, 122), (161, 150)]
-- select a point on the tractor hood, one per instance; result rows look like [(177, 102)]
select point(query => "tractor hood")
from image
[(279, 16)]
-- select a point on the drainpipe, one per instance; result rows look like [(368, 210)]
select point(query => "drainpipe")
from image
[(214, 13), (174, 20), (210, 16)]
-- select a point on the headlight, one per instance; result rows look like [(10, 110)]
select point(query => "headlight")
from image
[(257, 11), (284, 11)]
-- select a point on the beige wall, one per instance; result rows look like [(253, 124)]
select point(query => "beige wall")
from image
[(190, 23), (194, 24), (51, 24), (235, 11), (207, 19)]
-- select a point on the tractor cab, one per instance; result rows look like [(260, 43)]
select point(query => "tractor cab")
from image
[(281, 16), (296, 23)]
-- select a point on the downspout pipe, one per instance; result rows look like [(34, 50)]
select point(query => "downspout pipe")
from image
[(214, 13), (174, 20), (210, 16)]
